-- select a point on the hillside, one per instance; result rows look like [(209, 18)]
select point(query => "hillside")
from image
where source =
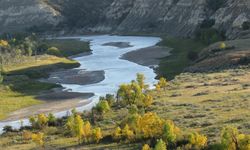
[(194, 101), (178, 18)]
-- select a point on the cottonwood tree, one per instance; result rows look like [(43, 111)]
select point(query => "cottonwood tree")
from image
[(38, 138), (97, 134), (197, 140), (231, 139), (146, 147), (140, 78), (160, 145)]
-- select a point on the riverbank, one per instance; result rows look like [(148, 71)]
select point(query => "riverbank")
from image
[(21, 90), (54, 101), (149, 56)]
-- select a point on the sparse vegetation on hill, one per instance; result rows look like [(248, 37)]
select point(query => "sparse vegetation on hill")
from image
[(193, 111)]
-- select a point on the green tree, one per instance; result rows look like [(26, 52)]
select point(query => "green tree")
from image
[(160, 145), (130, 93), (170, 132), (103, 106), (231, 139), (51, 120), (54, 51), (141, 81)]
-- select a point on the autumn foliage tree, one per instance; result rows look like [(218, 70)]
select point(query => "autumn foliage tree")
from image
[(146, 147), (82, 130), (38, 138), (97, 134), (150, 125), (231, 139), (135, 93), (197, 140), (39, 122)]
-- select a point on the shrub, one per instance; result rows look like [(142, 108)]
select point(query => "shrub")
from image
[(54, 51), (7, 129), (26, 135), (244, 61), (50, 130), (192, 55), (246, 25), (38, 139), (223, 45), (209, 35)]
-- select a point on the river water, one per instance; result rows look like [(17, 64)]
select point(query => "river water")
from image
[(107, 58)]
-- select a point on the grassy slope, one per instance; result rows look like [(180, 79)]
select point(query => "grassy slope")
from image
[(195, 101), (69, 47), (175, 63), (20, 87)]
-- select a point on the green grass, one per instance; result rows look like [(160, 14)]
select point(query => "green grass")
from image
[(175, 63), (12, 100), (40, 66), (20, 88), (69, 47)]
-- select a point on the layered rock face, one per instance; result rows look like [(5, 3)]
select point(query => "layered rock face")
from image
[(19, 15), (173, 17)]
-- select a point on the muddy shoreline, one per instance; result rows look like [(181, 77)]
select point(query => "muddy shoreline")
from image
[(149, 56)]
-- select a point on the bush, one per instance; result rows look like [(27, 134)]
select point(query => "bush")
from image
[(42, 48), (209, 35), (192, 55), (246, 25), (7, 129), (244, 61), (54, 51)]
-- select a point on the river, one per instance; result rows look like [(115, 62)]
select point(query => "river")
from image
[(106, 58)]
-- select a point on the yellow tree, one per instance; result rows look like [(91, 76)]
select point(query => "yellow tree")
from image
[(87, 131), (127, 133), (117, 134), (38, 139), (150, 125), (197, 140), (147, 100), (42, 120), (97, 135), (146, 147), (78, 127), (163, 83)]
